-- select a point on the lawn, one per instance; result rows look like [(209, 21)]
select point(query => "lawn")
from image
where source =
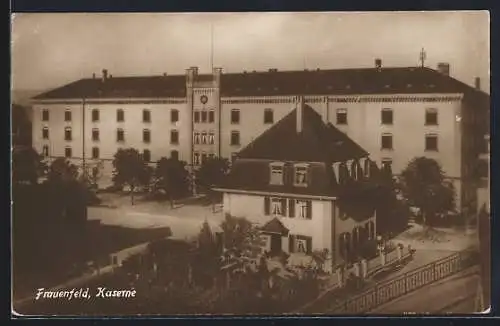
[(56, 267)]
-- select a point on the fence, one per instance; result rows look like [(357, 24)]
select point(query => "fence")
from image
[(335, 289), (406, 283)]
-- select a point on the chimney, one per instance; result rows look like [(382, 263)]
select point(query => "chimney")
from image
[(378, 63), (190, 75), (299, 113), (477, 83), (443, 68), (104, 75), (217, 72)]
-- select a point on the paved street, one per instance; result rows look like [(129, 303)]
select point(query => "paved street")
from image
[(454, 294)]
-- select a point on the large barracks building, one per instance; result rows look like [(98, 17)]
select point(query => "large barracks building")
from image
[(394, 113)]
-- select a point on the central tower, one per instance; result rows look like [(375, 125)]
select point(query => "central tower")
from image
[(203, 101)]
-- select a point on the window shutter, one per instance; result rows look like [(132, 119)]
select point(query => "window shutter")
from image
[(291, 243), (283, 206), (309, 210), (291, 207), (267, 205), (309, 245)]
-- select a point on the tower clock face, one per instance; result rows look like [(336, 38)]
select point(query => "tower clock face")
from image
[(204, 99)]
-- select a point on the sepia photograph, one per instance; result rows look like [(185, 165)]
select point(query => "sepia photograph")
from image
[(250, 163)]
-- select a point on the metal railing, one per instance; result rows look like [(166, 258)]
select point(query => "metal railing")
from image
[(406, 283)]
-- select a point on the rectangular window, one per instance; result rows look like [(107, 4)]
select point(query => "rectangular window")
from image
[(146, 115), (211, 155), (45, 115), (174, 116), (45, 150), (303, 208), (203, 116), (45, 133), (211, 116), (120, 115), (268, 116), (431, 142), (300, 178), (95, 134), (276, 174), (387, 116), (204, 137), (95, 152), (174, 155), (196, 138), (196, 116), (235, 138), (203, 157), (174, 137), (211, 138), (146, 155), (95, 115), (67, 115), (277, 207), (341, 116), (120, 135), (68, 152), (431, 117), (302, 244), (146, 136), (196, 158), (235, 116), (387, 141), (67, 133)]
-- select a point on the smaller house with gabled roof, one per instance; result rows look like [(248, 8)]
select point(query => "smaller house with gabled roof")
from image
[(307, 186)]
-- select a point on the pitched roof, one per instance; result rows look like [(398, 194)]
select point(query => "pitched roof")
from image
[(317, 142), (400, 80), (275, 226)]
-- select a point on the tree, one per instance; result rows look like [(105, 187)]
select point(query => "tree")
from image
[(62, 170), (242, 243), (424, 186), (27, 165), (207, 257), (213, 171), (130, 169), (172, 178)]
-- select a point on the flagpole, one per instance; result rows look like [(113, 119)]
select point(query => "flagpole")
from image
[(211, 46)]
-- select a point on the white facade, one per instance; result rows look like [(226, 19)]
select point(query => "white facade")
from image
[(363, 114), (324, 227)]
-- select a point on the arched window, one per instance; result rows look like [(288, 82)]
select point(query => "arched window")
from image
[(356, 238), (344, 174), (367, 168), (345, 245), (359, 171), (354, 170), (370, 227)]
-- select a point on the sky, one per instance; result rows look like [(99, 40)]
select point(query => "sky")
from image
[(52, 49)]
